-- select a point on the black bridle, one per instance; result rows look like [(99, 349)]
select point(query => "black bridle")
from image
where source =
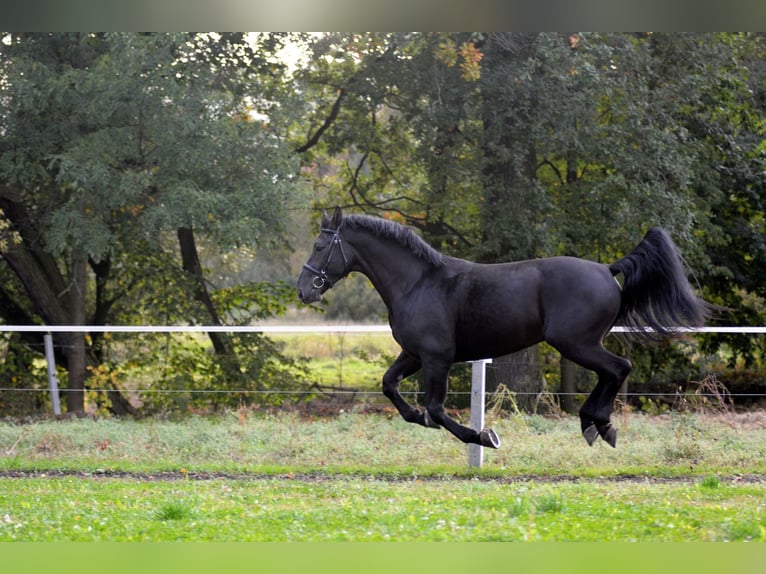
[(320, 275)]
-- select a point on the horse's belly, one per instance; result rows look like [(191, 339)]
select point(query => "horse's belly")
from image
[(501, 314), (496, 336)]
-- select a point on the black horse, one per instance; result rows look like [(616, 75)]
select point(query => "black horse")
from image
[(443, 310)]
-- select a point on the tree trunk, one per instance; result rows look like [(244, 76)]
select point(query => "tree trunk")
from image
[(39, 273), (56, 302), (574, 379), (77, 355), (568, 386), (191, 264), (118, 403), (520, 373)]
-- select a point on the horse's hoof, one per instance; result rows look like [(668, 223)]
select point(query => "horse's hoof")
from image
[(489, 438), (609, 434), (590, 433), (429, 422)]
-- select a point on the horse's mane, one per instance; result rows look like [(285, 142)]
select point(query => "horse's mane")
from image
[(391, 230)]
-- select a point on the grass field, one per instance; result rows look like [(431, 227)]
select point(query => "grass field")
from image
[(318, 509), (343, 359), (247, 476)]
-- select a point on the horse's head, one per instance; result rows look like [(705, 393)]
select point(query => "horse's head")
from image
[(327, 264)]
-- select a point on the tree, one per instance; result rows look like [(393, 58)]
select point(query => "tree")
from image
[(502, 146), (389, 134), (734, 134), (112, 141)]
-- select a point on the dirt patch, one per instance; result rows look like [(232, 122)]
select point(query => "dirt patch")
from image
[(170, 476)]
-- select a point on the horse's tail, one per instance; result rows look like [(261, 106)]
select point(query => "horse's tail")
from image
[(657, 300)]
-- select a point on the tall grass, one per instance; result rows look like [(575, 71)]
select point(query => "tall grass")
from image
[(247, 441)]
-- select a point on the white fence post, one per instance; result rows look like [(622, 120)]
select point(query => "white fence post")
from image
[(53, 383), (478, 380)]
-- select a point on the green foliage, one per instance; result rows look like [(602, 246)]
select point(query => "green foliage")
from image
[(23, 376), (501, 146), (254, 301), (495, 146), (355, 300), (112, 143), (178, 373), (558, 144), (7, 234)]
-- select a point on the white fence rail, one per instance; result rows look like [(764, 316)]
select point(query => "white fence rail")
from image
[(279, 329), (478, 376)]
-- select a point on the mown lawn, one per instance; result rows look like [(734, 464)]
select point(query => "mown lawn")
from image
[(320, 509)]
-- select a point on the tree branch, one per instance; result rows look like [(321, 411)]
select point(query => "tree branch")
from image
[(553, 168), (314, 140)]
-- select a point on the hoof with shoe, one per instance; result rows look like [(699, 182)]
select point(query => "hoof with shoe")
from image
[(590, 433), (605, 431), (489, 438), (609, 434)]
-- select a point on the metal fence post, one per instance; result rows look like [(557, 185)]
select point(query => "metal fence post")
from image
[(53, 383), (478, 380)]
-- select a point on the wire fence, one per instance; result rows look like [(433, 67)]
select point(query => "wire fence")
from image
[(309, 329)]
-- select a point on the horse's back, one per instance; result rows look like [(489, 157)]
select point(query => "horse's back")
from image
[(502, 308)]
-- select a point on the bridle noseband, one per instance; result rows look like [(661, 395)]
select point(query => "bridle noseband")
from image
[(320, 275)]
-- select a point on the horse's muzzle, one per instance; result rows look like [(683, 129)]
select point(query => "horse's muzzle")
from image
[(309, 296)]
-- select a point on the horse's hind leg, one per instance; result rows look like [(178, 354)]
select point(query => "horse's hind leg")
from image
[(597, 408), (596, 411), (404, 366)]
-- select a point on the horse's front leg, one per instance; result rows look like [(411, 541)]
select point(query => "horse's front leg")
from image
[(436, 382), (404, 366)]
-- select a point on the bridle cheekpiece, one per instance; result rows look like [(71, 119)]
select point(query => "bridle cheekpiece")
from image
[(320, 275)]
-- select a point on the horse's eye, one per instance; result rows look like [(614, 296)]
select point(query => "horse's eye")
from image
[(318, 247)]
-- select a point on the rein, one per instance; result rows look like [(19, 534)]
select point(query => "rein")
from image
[(320, 275)]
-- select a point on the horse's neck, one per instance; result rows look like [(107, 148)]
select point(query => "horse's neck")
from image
[(391, 267)]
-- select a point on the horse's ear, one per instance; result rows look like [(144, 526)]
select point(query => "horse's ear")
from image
[(337, 217), (325, 219)]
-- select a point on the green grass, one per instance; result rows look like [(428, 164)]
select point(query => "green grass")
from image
[(350, 443), (356, 360), (710, 482), (174, 509), (248, 476), (354, 509)]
